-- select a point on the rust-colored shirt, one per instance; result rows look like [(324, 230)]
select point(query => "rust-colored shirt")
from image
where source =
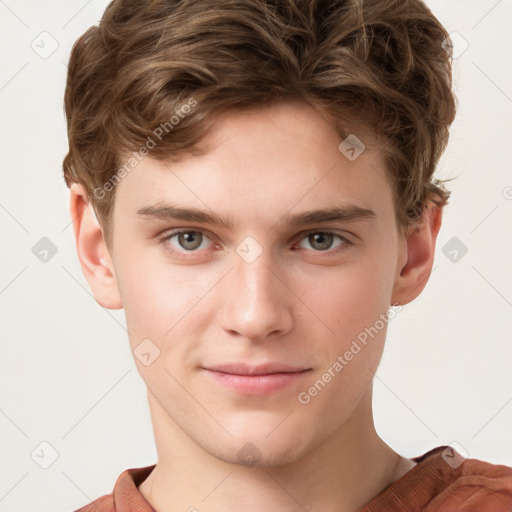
[(442, 481)]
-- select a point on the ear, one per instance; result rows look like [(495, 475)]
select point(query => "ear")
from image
[(417, 256), (95, 260)]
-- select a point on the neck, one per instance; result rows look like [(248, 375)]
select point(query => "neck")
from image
[(344, 473)]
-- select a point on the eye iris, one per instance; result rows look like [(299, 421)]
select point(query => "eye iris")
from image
[(324, 240), (190, 239)]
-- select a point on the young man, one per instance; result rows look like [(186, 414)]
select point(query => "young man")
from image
[(252, 182)]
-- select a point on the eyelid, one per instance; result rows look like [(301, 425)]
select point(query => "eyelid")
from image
[(296, 239), (345, 244), (167, 235), (304, 234)]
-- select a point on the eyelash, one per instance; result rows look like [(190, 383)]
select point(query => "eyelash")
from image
[(342, 247)]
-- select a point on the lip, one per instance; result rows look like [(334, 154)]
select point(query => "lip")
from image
[(256, 380)]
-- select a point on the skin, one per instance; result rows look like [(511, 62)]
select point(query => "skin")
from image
[(295, 304)]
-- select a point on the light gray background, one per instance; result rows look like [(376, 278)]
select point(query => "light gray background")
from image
[(67, 376)]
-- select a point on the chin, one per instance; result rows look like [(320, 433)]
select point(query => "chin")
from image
[(251, 455), (257, 448)]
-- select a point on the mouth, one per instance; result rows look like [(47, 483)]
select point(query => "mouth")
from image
[(256, 380)]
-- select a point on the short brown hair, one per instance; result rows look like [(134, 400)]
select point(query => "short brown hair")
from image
[(382, 65)]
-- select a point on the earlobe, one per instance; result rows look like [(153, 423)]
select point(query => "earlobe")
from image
[(413, 274), (95, 260)]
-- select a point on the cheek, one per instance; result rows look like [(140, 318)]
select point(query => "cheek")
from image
[(347, 299), (162, 301), (353, 305), (161, 310)]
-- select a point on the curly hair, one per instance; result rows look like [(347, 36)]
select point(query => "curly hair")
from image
[(379, 65)]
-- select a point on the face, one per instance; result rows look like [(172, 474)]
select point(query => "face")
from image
[(253, 271)]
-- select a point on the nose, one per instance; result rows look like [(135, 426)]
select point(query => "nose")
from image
[(256, 303)]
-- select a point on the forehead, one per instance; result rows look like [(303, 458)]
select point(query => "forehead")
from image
[(264, 163)]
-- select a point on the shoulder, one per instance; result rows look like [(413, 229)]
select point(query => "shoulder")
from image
[(468, 484), (444, 481), (125, 496)]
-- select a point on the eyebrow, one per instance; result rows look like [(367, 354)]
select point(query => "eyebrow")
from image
[(346, 213)]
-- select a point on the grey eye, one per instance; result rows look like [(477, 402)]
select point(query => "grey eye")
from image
[(322, 241), (190, 239)]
